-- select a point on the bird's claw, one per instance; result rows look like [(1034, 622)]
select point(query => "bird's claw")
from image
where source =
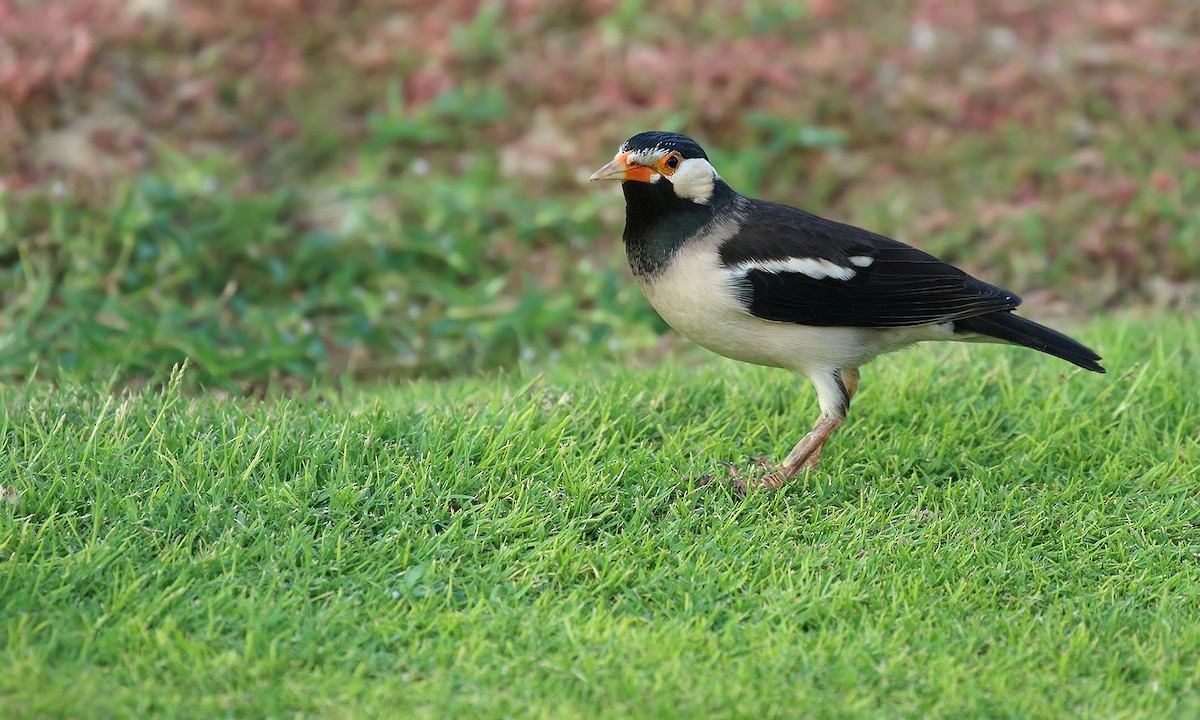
[(770, 481), (744, 484)]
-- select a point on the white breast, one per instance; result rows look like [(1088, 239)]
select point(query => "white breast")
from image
[(696, 295)]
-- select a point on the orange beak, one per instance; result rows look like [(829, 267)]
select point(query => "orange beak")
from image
[(621, 169)]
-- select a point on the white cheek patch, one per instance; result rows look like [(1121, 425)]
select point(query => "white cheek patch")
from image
[(694, 180), (815, 268)]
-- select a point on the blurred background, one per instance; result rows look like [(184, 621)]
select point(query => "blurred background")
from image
[(292, 192)]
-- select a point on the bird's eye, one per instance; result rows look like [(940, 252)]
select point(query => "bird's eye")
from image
[(672, 161)]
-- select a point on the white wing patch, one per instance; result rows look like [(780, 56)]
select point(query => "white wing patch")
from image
[(861, 260), (815, 268)]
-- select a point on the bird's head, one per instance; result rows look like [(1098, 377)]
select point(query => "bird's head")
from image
[(663, 159)]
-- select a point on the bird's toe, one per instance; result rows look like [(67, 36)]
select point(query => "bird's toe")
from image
[(771, 481)]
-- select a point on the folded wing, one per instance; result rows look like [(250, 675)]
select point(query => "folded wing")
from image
[(790, 266)]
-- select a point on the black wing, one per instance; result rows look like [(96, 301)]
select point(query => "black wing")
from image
[(899, 286)]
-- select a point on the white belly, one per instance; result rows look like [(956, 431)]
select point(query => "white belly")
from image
[(695, 296)]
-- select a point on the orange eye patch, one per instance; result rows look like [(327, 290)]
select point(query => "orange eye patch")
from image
[(669, 163)]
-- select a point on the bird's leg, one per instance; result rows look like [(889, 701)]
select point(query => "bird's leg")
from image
[(804, 452), (808, 450), (835, 391), (850, 381)]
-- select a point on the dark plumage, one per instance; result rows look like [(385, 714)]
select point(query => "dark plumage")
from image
[(901, 285), (774, 285), (682, 144)]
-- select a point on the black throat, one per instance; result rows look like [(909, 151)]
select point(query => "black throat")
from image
[(658, 222)]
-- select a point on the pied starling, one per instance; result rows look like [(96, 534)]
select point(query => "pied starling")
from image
[(773, 285)]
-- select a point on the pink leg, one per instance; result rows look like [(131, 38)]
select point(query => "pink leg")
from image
[(804, 455), (807, 452)]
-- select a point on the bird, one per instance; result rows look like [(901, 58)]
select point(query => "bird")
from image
[(771, 284)]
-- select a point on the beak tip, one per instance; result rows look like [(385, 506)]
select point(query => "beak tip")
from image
[(614, 170)]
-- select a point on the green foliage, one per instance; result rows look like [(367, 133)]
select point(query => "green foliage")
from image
[(295, 193), (994, 534), (383, 276), (291, 195)]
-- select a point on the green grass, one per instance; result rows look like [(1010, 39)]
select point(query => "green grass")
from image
[(379, 275), (993, 534), (401, 193), (409, 232), (260, 290)]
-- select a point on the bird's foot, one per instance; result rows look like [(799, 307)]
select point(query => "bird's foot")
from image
[(770, 481), (774, 480), (744, 483)]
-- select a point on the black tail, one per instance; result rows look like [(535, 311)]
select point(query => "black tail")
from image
[(1018, 330)]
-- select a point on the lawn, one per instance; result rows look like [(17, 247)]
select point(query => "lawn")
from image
[(430, 455), (993, 534), (289, 192)]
